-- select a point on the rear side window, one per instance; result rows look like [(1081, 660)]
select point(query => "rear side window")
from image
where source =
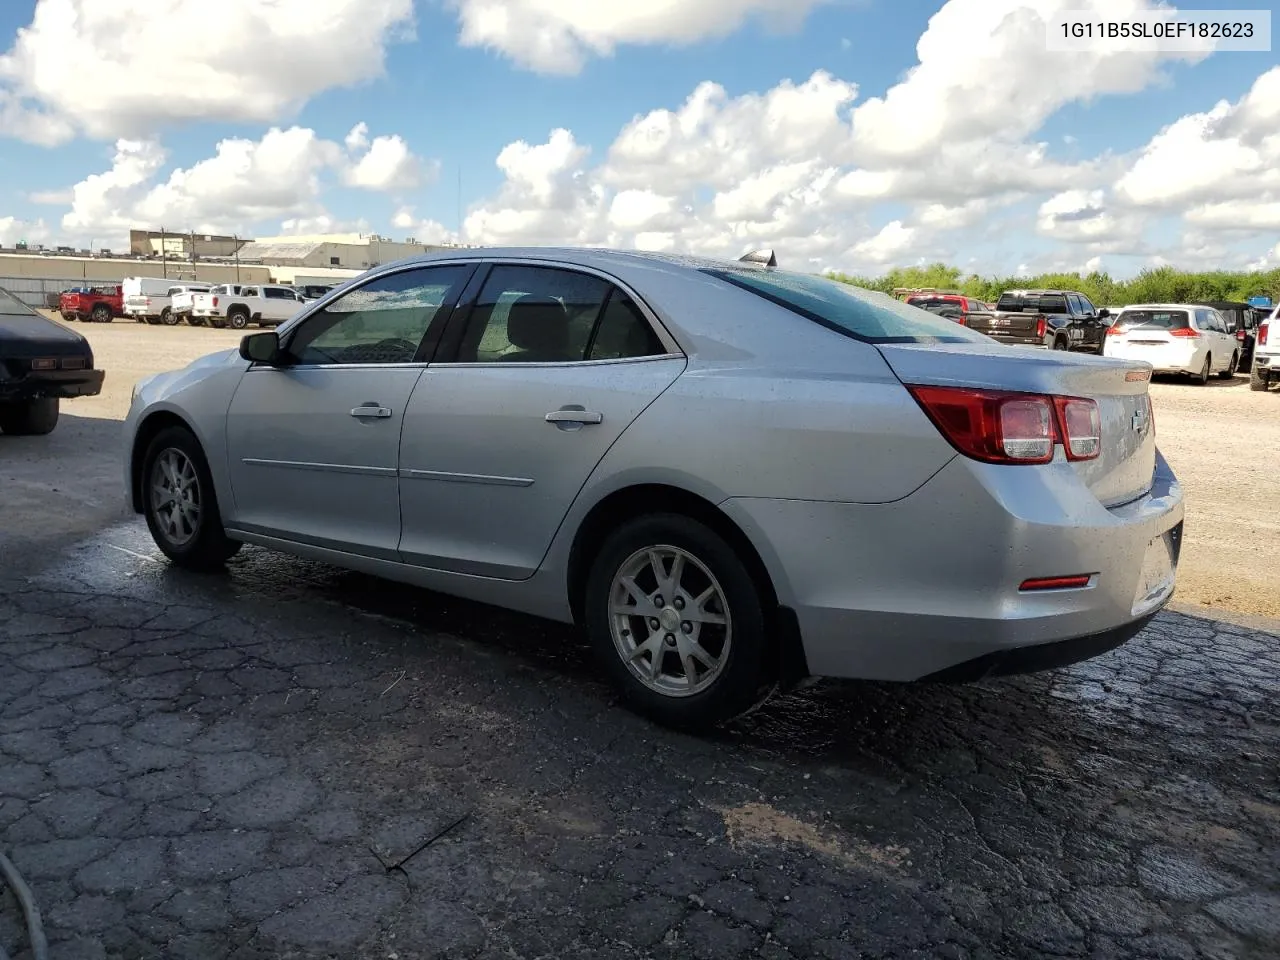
[(1154, 320), (856, 312), (1032, 303)]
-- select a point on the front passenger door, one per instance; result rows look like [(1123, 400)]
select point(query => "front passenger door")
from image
[(313, 445)]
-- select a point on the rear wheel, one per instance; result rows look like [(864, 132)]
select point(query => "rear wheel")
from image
[(676, 619), (1230, 372), (1257, 381), (101, 314), (239, 319), (29, 418), (1060, 343), (180, 503), (1203, 376), (167, 317)]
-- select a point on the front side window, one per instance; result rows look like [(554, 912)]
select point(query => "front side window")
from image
[(383, 321), (853, 311)]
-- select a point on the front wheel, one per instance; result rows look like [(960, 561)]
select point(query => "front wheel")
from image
[(675, 618), (180, 503), (29, 418), (1230, 372), (101, 314), (168, 317)]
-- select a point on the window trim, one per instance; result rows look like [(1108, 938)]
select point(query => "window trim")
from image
[(428, 346), (460, 321)]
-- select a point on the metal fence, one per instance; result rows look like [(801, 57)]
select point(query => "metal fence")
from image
[(42, 292)]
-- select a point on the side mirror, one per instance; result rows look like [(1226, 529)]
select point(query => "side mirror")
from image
[(1104, 313), (261, 348)]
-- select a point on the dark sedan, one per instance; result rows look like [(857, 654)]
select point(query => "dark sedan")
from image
[(41, 363)]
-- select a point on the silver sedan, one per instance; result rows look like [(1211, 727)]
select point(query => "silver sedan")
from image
[(733, 477)]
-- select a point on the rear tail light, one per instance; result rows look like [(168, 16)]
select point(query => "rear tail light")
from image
[(1240, 335), (215, 301), (1262, 334), (43, 363), (1042, 324), (1012, 428), (1184, 332), (1114, 331)]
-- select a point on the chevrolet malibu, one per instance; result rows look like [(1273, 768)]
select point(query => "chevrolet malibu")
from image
[(730, 476)]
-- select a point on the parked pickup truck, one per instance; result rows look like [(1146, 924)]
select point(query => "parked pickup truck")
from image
[(159, 307), (238, 305), (99, 304), (1266, 353), (1055, 319), (182, 300)]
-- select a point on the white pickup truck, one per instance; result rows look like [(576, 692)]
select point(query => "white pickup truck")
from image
[(1266, 353), (238, 305), (149, 300)]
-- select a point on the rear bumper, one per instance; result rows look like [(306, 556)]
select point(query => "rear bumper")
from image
[(909, 590), (62, 384)]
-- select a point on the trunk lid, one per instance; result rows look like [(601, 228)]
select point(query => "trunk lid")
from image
[(1005, 323), (1123, 470)]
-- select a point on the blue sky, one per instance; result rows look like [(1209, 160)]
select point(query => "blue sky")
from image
[(453, 103)]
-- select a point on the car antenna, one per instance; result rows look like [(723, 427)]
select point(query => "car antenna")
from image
[(765, 257)]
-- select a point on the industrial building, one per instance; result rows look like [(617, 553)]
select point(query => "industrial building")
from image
[(350, 251), (174, 243)]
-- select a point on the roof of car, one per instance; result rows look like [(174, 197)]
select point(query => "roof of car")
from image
[(1165, 306), (583, 256), (1038, 292)]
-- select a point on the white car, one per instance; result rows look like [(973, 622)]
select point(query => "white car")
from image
[(1175, 338), (1266, 354)]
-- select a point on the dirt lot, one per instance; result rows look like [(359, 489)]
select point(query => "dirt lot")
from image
[(1222, 439)]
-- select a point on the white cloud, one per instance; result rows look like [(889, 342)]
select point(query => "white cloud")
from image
[(557, 36), (125, 68), (891, 242), (322, 223), (1227, 153), (358, 138), (15, 230), (1085, 216), (424, 231), (1005, 85), (388, 165)]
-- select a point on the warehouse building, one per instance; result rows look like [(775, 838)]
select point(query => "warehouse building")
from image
[(349, 251)]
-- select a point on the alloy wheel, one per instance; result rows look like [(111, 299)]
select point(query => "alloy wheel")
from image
[(670, 621), (175, 496)]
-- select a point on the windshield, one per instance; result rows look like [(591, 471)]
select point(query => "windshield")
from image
[(854, 311), (1153, 320)]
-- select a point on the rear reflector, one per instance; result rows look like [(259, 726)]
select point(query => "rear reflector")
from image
[(1012, 428), (1074, 582), (44, 364)]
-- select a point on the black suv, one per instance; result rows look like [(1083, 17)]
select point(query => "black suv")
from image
[(1057, 319)]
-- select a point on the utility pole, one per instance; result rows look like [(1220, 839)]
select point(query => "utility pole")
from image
[(164, 254), (237, 243), (194, 276)]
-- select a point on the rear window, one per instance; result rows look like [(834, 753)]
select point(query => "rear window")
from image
[(854, 311), (1153, 320), (1032, 303)]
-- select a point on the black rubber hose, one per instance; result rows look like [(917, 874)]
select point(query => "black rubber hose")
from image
[(35, 928)]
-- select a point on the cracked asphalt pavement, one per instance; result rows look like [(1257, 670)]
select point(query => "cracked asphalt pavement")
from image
[(231, 766)]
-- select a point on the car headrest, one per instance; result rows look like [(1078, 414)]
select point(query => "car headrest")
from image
[(539, 325)]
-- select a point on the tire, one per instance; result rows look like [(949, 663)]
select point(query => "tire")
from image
[(1256, 380), (1230, 372), (30, 418), (167, 317), (193, 320), (200, 545), (1060, 343), (153, 321), (139, 319), (218, 323), (238, 319), (69, 317), (740, 644), (101, 314), (1203, 376)]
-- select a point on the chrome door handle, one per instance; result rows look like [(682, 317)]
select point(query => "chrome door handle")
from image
[(371, 411), (570, 415)]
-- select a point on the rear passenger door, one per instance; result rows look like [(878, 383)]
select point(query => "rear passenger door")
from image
[(543, 368)]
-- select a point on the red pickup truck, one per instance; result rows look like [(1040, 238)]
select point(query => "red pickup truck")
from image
[(99, 304)]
